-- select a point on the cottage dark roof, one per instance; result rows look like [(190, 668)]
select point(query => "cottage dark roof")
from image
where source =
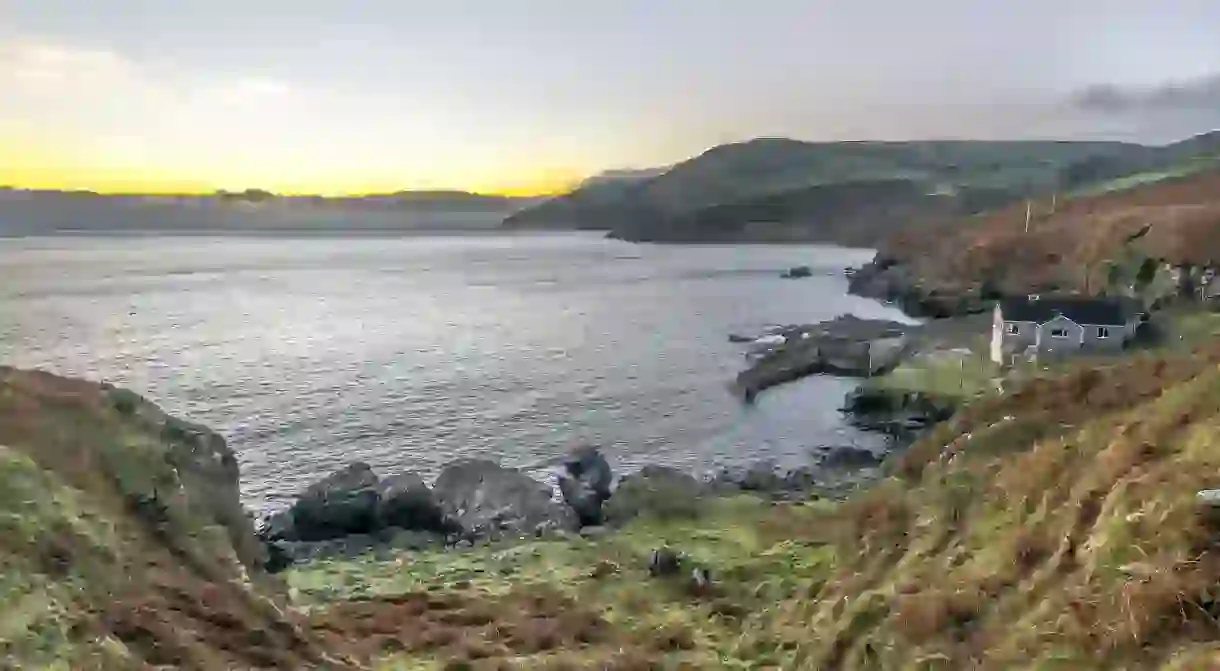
[(1082, 310)]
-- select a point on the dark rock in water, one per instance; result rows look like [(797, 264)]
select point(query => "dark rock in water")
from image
[(489, 500), (405, 502), (897, 413), (342, 504), (764, 478), (664, 562), (585, 484), (737, 338), (849, 457), (797, 272), (657, 492)]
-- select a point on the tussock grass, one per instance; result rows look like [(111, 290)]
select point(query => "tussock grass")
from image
[(1054, 527)]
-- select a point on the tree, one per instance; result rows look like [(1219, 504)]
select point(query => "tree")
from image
[(1115, 277)]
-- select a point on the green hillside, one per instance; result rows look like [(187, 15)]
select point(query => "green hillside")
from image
[(724, 193)]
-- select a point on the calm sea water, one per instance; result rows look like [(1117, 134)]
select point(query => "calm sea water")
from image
[(308, 353)]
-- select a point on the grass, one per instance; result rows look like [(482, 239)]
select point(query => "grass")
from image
[(1052, 527), (1190, 326), (590, 602), (107, 559), (945, 374)]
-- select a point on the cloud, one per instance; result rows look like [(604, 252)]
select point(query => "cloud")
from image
[(1200, 94), (250, 89), (34, 68)]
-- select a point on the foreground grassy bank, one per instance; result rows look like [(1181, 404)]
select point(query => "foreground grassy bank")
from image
[(1052, 527)]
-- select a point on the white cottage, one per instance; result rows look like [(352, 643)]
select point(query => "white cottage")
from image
[(1035, 325)]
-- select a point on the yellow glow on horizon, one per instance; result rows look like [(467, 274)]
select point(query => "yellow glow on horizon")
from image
[(23, 166)]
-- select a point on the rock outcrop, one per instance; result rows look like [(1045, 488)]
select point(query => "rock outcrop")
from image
[(342, 504), (406, 502), (353, 511), (487, 500), (896, 413), (585, 484)]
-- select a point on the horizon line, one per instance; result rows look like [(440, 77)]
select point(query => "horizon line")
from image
[(267, 193)]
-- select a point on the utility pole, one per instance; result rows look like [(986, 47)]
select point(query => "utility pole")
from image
[(1054, 201), (1029, 210)]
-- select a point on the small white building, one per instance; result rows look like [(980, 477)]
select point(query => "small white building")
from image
[(1037, 326)]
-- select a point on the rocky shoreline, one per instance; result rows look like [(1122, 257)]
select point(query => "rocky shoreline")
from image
[(887, 280), (353, 511)]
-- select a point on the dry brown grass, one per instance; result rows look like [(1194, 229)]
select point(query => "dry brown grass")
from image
[(1077, 543), (1067, 248)]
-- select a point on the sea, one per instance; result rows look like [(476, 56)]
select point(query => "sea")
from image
[(408, 352)]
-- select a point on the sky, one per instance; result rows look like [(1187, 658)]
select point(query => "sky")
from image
[(317, 96)]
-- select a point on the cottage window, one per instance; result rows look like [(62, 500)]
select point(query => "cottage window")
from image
[(1103, 332), (1012, 329), (1059, 333)]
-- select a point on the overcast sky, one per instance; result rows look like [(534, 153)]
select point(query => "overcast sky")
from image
[(504, 94)]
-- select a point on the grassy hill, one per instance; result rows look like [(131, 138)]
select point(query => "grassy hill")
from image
[(738, 174), (777, 190), (851, 213)]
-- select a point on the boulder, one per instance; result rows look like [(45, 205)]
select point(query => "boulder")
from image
[(488, 500), (585, 484), (765, 478), (762, 477), (344, 503), (657, 492), (405, 502), (844, 456)]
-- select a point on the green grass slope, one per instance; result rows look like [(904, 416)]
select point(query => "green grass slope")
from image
[(734, 173), (113, 552)]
